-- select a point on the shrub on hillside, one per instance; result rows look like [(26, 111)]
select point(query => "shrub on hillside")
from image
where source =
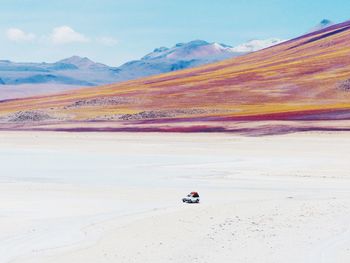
[(344, 85)]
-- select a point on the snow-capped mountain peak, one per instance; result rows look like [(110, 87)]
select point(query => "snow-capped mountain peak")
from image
[(197, 49), (256, 45)]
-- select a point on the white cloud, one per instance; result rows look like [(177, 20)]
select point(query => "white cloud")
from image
[(59, 36), (66, 35), (107, 41), (18, 35)]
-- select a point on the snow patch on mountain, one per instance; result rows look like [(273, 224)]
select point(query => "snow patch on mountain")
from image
[(256, 45)]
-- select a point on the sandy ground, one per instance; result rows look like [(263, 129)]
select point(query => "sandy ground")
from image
[(104, 197)]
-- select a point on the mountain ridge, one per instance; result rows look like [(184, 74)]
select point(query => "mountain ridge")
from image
[(82, 71)]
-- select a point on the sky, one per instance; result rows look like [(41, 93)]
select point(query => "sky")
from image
[(116, 31)]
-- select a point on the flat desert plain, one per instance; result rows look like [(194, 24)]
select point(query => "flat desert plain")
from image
[(116, 197)]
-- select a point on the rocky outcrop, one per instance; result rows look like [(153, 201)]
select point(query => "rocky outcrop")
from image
[(344, 85), (29, 116), (103, 101), (144, 115)]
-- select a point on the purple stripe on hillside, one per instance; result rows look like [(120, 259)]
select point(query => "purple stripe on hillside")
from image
[(312, 115), (321, 37)]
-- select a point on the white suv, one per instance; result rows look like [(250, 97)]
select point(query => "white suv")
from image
[(192, 197)]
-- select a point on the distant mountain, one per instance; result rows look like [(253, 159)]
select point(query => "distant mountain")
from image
[(72, 71), (81, 71), (322, 25), (82, 63), (186, 55), (181, 56)]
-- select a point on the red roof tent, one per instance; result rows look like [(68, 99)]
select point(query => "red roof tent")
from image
[(194, 194)]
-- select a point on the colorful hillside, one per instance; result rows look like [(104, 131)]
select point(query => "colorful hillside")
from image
[(304, 79)]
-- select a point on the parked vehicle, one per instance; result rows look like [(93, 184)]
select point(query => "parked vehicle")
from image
[(192, 197)]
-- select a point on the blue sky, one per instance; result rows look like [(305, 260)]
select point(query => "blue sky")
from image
[(115, 31)]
